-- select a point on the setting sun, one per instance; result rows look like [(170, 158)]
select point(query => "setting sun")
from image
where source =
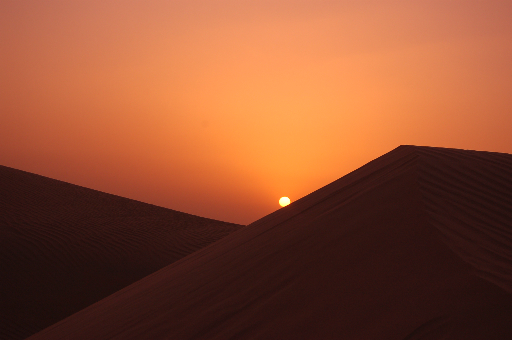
[(284, 201)]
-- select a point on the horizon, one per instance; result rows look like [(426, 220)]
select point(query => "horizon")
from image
[(218, 109), (260, 217)]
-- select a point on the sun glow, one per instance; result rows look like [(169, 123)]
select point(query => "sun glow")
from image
[(284, 201)]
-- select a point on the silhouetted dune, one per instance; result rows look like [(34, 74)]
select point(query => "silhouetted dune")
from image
[(64, 247), (416, 244)]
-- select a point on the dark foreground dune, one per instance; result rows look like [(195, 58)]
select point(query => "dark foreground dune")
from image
[(64, 247), (416, 244)]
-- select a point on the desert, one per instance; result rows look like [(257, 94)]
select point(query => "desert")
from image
[(268, 169), (413, 245)]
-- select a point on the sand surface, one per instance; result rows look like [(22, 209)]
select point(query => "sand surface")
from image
[(416, 244), (64, 247)]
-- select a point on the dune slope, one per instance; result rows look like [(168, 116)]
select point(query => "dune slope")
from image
[(64, 247), (414, 245)]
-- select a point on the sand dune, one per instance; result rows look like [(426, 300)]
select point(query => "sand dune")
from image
[(64, 247), (416, 244)]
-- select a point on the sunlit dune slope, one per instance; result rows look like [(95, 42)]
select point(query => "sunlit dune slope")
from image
[(416, 244), (64, 247)]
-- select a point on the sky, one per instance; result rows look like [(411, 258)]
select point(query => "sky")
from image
[(219, 107)]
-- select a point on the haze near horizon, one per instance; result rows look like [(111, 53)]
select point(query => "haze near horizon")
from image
[(219, 108)]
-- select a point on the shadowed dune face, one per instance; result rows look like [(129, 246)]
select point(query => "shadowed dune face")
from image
[(414, 245), (468, 196), (64, 247)]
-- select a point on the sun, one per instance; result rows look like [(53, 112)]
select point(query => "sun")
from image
[(284, 201)]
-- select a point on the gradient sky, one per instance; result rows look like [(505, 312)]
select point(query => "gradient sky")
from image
[(219, 108)]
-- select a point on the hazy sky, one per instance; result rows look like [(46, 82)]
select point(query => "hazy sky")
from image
[(218, 108)]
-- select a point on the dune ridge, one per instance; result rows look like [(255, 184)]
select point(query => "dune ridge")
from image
[(64, 247), (413, 245)]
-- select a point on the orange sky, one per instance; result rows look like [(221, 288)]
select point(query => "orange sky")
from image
[(218, 108)]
